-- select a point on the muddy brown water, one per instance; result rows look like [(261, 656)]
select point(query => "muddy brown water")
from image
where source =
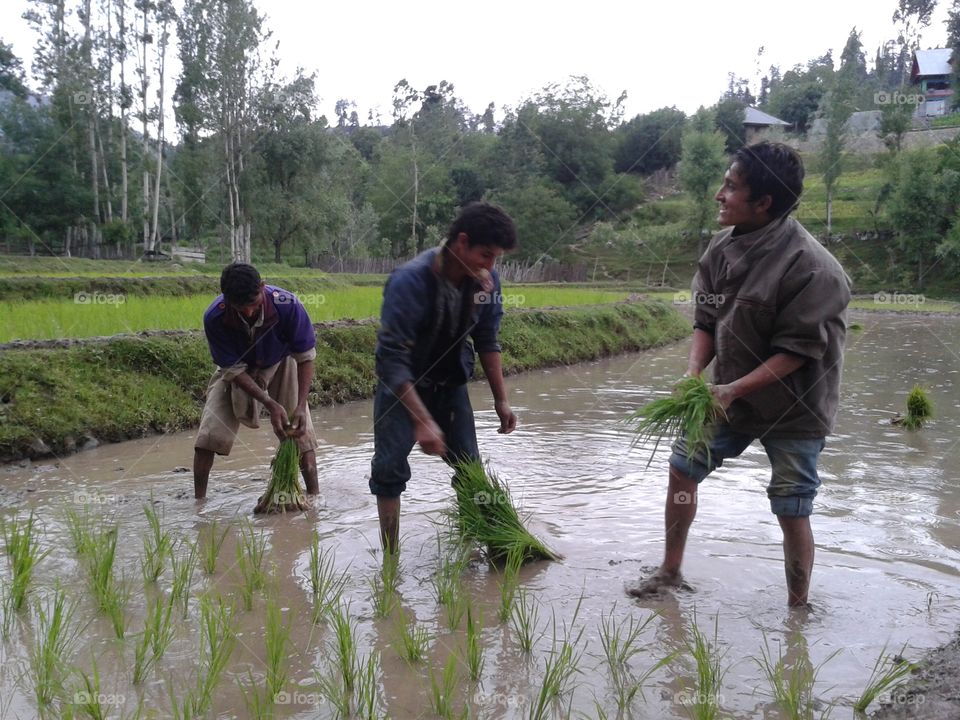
[(887, 527)]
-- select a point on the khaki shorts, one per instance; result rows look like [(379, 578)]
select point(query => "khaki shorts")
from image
[(228, 406)]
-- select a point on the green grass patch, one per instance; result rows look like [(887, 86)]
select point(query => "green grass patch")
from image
[(97, 313)]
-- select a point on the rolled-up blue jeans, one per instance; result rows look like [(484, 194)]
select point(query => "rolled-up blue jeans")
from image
[(393, 437), (793, 463)]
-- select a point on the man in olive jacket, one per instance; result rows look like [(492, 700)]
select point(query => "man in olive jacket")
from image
[(770, 311)]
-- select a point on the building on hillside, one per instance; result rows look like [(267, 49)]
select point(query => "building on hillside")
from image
[(931, 72), (756, 123)]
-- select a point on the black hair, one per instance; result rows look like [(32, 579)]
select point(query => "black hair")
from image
[(772, 169), (484, 224), (240, 283)]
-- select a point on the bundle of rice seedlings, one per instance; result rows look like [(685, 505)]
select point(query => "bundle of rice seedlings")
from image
[(284, 492), (689, 410), (485, 514), (919, 409)]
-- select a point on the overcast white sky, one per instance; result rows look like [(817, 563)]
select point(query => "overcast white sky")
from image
[(663, 53)]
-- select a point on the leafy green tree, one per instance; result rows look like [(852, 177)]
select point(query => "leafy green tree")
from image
[(650, 142), (545, 220), (728, 117), (702, 164), (916, 208), (11, 71), (837, 107), (953, 42)]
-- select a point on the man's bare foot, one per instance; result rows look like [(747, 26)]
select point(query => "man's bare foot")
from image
[(656, 584)]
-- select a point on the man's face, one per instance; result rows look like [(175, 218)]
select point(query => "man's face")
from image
[(736, 207), (250, 310), (475, 259)]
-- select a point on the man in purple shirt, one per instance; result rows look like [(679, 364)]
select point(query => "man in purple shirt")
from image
[(263, 344)]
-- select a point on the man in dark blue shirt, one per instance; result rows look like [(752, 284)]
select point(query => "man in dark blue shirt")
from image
[(263, 344), (433, 306)]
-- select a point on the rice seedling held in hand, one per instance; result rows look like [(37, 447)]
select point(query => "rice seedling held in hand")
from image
[(213, 538), (20, 544), (919, 410), (485, 514), (690, 410), (284, 492), (887, 675)]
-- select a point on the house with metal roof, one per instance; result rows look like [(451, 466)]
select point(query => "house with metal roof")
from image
[(931, 71), (756, 123)]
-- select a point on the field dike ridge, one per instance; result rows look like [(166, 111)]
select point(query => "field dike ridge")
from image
[(57, 398)]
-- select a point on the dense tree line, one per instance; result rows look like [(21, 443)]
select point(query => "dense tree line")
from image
[(89, 162)]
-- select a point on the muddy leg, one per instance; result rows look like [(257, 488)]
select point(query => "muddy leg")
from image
[(798, 552), (202, 462), (308, 468), (680, 510), (388, 509)]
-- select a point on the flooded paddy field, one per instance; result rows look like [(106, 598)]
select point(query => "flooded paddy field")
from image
[(887, 526)]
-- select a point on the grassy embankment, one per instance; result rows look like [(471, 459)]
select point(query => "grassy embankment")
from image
[(653, 247), (132, 387)]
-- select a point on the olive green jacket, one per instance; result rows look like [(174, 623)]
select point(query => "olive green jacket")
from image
[(774, 290)]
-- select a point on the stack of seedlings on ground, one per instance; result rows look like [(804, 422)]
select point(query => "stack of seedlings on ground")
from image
[(919, 410), (690, 410), (485, 514), (284, 493)]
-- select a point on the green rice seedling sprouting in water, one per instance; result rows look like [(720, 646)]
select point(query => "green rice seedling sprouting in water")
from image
[(54, 639), (792, 685), (157, 545), (326, 584), (20, 544), (690, 410), (485, 514), (213, 538), (277, 639), (284, 492), (888, 673)]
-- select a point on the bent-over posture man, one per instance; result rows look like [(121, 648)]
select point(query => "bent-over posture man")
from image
[(263, 344), (770, 311), (432, 307)]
